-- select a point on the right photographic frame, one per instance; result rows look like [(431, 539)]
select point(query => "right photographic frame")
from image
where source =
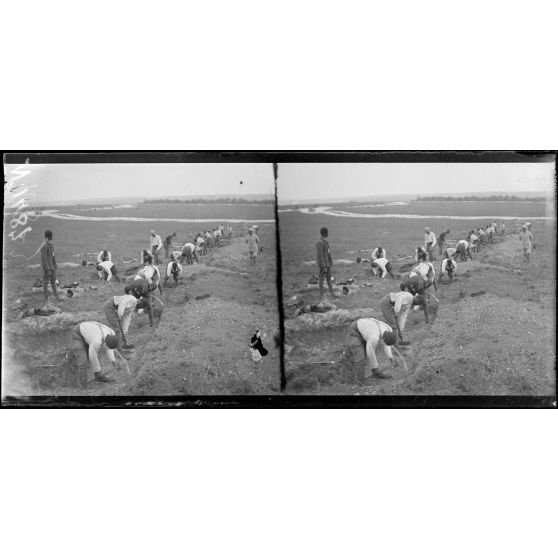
[(422, 274)]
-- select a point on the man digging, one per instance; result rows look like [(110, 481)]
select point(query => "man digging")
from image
[(365, 337)]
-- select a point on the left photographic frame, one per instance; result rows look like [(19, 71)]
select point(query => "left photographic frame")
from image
[(130, 277)]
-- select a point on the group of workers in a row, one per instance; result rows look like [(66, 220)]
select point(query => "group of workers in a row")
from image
[(368, 335), (89, 339)]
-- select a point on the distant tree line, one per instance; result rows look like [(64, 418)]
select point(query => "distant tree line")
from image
[(482, 198), (212, 200)]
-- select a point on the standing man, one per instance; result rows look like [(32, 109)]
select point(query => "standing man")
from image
[(48, 263), (168, 244), (119, 310), (366, 336), (87, 341), (324, 261), (442, 240), (156, 245), (253, 242), (429, 243), (526, 238), (395, 307), (256, 228)]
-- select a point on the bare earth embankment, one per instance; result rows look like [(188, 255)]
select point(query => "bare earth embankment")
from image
[(494, 334), (200, 347)]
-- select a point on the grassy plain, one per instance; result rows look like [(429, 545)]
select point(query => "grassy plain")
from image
[(201, 345), (494, 334)]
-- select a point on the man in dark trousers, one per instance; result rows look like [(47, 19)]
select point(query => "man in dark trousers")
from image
[(442, 240), (168, 244), (140, 289), (324, 261), (48, 263)]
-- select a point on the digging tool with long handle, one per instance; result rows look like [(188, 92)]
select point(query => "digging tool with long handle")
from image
[(400, 356), (397, 325)]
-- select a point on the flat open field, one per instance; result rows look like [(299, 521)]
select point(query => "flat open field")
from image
[(211, 211), (465, 208), (500, 341), (201, 346)]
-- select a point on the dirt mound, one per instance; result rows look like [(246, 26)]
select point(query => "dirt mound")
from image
[(493, 334), (200, 347)]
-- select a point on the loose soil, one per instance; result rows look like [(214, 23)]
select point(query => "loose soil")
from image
[(200, 347), (494, 334)]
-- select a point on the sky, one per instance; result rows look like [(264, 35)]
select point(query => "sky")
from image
[(63, 182), (320, 181)]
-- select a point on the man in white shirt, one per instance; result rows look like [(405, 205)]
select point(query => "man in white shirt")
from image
[(463, 249), (174, 269), (448, 268), (526, 238), (106, 270), (87, 341), (429, 243), (104, 256), (383, 267), (156, 245), (189, 253), (473, 241), (119, 311), (378, 252), (450, 253), (253, 242), (365, 337), (152, 275), (426, 271), (395, 307)]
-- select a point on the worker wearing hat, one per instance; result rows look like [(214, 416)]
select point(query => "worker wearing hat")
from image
[(365, 337), (87, 341), (526, 238), (256, 228), (253, 241), (429, 243), (156, 245)]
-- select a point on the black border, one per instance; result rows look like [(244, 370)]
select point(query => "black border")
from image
[(282, 401), (218, 156)]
